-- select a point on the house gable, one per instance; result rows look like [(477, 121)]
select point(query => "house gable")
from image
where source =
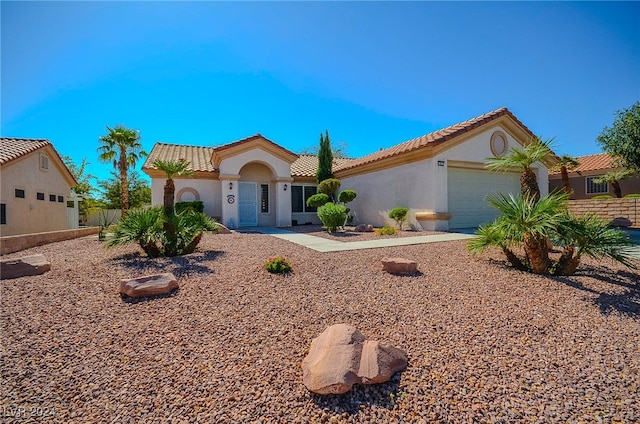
[(256, 141)]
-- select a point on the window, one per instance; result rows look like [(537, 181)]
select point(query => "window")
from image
[(299, 196), (44, 162), (264, 198), (595, 188), (60, 199), (3, 213), (20, 193), (40, 196), (52, 197)]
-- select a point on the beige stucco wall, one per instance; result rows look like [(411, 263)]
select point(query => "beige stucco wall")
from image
[(29, 215), (208, 190), (579, 184)]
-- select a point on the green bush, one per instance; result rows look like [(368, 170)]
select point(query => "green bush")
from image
[(632, 196), (329, 186), (196, 206), (602, 197), (278, 265), (399, 214), (332, 216), (386, 231), (317, 200), (347, 196)]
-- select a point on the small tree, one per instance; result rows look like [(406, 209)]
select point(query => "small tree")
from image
[(329, 187), (567, 163), (171, 168), (325, 158), (614, 178), (318, 200), (332, 216), (399, 215), (622, 139)]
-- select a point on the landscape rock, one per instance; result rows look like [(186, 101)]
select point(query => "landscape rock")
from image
[(363, 228), (620, 222), (222, 229), (399, 266), (341, 357), (21, 267), (150, 285)]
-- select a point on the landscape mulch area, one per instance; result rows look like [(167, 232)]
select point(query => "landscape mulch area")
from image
[(485, 343), (348, 234)]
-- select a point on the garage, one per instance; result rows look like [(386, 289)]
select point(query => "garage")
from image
[(467, 191)]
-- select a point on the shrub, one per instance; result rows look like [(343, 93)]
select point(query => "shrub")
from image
[(332, 216), (632, 196), (317, 200), (386, 231), (399, 214), (329, 186), (347, 196), (196, 206), (278, 265), (602, 197)]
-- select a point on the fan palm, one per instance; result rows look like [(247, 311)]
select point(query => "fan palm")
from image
[(614, 178), (172, 168), (122, 147), (521, 160), (566, 164)]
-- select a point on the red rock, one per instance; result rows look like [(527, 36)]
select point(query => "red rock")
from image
[(341, 357), (399, 266), (150, 285), (363, 228), (21, 267)]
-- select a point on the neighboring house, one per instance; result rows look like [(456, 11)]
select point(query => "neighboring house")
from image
[(439, 176), (36, 185), (582, 179)]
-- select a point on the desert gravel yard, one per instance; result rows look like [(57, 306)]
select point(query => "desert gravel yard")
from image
[(485, 343)]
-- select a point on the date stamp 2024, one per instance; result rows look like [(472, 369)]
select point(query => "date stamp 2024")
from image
[(26, 412)]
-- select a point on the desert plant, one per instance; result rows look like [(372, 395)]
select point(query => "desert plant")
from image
[(332, 216), (278, 265), (329, 187), (317, 200), (614, 178), (399, 215), (171, 168), (386, 230), (567, 163)]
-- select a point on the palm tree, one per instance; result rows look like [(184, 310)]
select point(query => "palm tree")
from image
[(172, 168), (521, 160), (122, 146), (613, 178), (567, 163)]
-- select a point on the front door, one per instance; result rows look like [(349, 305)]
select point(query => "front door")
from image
[(247, 204)]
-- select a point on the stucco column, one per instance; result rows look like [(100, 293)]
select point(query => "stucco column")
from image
[(283, 202), (229, 185)]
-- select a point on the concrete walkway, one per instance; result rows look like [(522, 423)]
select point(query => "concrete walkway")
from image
[(321, 244)]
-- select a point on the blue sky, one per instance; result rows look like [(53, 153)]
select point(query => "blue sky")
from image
[(373, 73)]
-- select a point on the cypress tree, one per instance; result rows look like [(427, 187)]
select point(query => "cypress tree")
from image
[(325, 158)]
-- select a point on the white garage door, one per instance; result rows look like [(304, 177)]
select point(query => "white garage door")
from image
[(468, 189)]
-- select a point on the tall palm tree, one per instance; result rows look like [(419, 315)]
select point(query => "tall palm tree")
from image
[(613, 178), (567, 163), (172, 168), (122, 146), (521, 160)]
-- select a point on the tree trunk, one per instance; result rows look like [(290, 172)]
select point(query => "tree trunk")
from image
[(567, 264), (124, 185), (169, 191), (514, 260), (616, 188), (529, 185), (566, 186), (191, 247), (537, 250)]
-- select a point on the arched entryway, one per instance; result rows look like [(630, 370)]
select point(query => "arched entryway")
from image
[(256, 196)]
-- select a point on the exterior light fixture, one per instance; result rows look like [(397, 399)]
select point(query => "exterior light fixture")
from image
[(230, 186), (440, 163), (285, 187)]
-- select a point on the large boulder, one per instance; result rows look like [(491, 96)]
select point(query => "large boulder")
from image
[(399, 266), (21, 267), (150, 285), (363, 228), (341, 357)]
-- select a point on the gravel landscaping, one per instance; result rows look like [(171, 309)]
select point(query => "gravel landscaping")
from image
[(348, 234), (485, 343)]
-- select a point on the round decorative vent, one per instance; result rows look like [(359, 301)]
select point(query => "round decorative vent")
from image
[(498, 143)]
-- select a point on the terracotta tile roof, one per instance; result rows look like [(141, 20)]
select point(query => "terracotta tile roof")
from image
[(433, 139), (307, 165), (198, 157), (13, 148), (599, 161)]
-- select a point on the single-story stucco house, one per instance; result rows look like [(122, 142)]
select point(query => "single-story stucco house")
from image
[(36, 185), (440, 176), (583, 179)]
